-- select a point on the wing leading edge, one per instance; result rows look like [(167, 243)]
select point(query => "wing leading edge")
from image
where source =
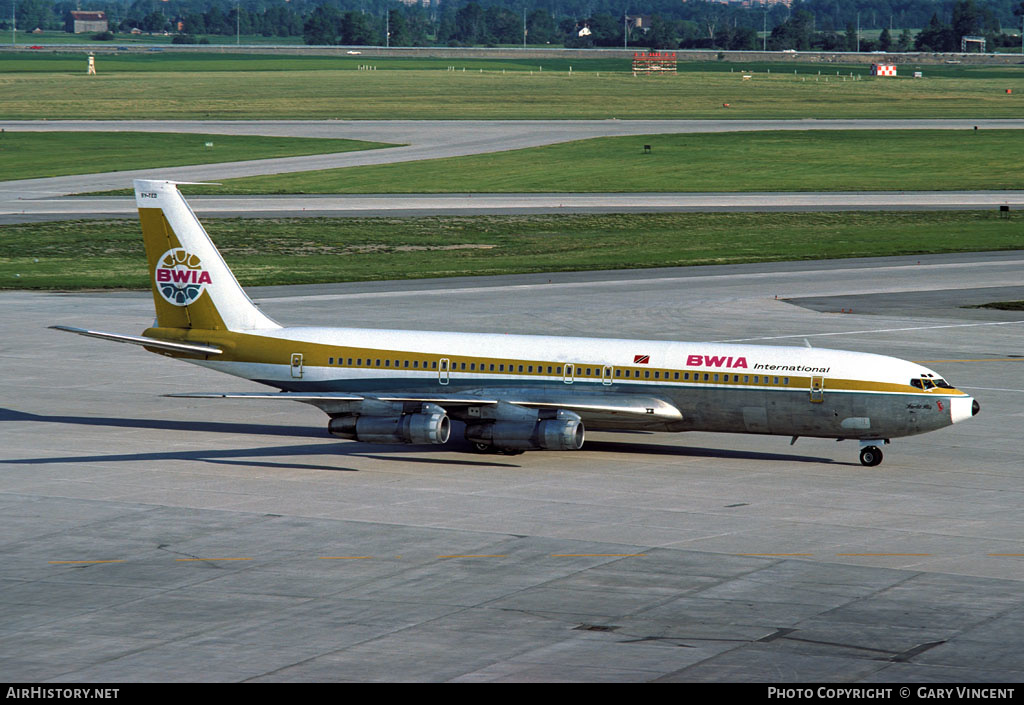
[(651, 408)]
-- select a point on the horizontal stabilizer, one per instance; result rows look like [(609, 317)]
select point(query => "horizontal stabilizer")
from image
[(157, 343)]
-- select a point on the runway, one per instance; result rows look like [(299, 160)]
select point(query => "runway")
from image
[(147, 538), (411, 205)]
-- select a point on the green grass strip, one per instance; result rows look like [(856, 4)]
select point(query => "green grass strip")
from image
[(102, 254), (493, 94), (30, 155), (813, 160)]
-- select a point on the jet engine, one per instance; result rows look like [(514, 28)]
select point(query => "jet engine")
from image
[(563, 432), (430, 425)]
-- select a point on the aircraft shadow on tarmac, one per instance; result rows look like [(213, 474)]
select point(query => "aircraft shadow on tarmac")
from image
[(334, 449)]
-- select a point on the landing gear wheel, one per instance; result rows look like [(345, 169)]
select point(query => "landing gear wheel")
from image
[(870, 456), (483, 447)]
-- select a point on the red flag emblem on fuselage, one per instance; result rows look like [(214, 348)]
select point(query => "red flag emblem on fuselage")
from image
[(641, 359)]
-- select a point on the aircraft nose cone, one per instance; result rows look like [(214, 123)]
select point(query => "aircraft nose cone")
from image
[(962, 408)]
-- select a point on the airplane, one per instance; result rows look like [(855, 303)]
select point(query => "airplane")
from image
[(514, 392)]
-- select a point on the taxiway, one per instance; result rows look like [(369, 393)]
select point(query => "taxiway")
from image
[(154, 539)]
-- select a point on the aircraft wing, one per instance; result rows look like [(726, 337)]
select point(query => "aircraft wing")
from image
[(286, 396), (616, 405), (172, 346)]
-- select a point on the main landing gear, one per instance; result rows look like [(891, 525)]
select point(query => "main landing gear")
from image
[(870, 454)]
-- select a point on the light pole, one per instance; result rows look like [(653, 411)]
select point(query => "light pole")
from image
[(764, 32)]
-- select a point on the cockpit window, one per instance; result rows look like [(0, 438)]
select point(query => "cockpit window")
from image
[(930, 383)]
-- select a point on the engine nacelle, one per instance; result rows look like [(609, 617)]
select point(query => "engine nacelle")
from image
[(431, 425), (564, 432)]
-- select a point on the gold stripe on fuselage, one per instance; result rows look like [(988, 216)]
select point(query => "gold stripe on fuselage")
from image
[(267, 350)]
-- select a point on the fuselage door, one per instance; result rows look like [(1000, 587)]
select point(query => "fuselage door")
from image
[(817, 390), (296, 365), (443, 373), (569, 372), (606, 375)]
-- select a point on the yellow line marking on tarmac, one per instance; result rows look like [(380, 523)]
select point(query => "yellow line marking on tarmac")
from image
[(84, 562), (883, 555), (598, 555), (553, 555), (774, 554)]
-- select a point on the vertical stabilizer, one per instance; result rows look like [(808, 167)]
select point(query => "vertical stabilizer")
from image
[(192, 285)]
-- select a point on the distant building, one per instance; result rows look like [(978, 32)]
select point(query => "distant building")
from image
[(79, 22)]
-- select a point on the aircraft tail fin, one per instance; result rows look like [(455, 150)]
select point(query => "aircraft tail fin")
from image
[(192, 285)]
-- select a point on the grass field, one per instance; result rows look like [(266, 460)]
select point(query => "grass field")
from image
[(30, 155), (97, 254), (198, 86), (156, 61), (926, 160)]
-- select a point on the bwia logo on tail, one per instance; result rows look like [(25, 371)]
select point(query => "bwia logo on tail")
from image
[(180, 277)]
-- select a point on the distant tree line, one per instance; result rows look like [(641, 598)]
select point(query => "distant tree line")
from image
[(827, 25)]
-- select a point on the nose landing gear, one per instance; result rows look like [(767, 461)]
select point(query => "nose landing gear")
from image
[(870, 454)]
